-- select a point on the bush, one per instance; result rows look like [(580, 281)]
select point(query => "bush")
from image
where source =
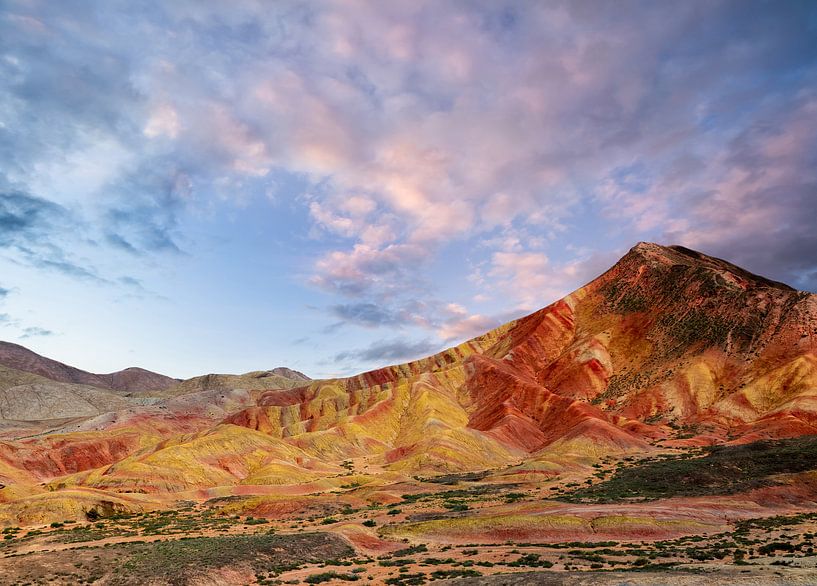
[(770, 548), (329, 576)]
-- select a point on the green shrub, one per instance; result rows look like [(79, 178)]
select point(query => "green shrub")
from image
[(329, 576)]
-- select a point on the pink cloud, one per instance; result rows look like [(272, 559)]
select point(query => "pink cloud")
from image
[(463, 328)]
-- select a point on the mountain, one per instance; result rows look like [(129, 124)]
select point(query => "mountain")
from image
[(29, 397), (128, 380), (37, 389), (277, 378), (668, 346), (667, 352), (288, 373), (34, 388)]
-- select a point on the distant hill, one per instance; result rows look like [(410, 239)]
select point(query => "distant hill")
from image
[(36, 388), (289, 373), (128, 380), (277, 378), (30, 397)]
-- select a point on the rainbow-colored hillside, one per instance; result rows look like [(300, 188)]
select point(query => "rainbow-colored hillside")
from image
[(668, 352)]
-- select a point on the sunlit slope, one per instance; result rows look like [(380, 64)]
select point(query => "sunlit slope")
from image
[(224, 456), (667, 339)]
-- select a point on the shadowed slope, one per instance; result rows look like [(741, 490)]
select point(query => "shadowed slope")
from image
[(30, 397)]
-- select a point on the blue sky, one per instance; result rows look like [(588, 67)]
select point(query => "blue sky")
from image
[(201, 187)]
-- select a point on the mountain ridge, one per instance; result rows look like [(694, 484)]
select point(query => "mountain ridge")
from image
[(127, 380), (133, 379)]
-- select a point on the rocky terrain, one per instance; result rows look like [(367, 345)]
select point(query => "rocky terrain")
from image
[(657, 420)]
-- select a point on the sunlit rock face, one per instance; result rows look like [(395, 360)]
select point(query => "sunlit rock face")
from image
[(667, 339)]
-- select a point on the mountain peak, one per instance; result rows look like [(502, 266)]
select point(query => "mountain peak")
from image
[(657, 255), (289, 373)]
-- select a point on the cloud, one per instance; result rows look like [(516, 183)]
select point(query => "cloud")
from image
[(469, 326), (366, 314), (7, 320), (528, 273), (31, 226), (411, 149), (759, 212), (456, 162), (448, 322), (368, 270), (77, 143), (34, 332), (24, 219), (531, 280), (432, 138), (163, 121), (389, 350), (751, 203), (63, 266)]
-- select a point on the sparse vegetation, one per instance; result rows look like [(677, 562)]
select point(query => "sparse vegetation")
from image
[(721, 470), (329, 576), (170, 560)]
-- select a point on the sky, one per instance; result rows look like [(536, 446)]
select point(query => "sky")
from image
[(196, 187)]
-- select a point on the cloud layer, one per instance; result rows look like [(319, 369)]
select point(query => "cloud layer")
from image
[(520, 145)]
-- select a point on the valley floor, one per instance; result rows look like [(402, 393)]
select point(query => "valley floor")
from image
[(478, 528)]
